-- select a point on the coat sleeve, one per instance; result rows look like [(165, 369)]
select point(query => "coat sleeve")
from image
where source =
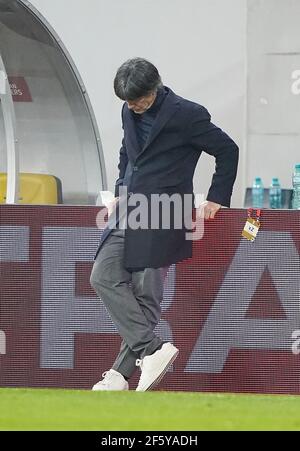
[(207, 137), (123, 160)]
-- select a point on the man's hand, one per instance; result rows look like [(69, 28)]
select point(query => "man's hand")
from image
[(208, 209)]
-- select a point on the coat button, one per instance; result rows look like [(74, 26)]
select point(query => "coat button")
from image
[(135, 168)]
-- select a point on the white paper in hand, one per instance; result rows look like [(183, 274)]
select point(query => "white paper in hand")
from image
[(104, 198)]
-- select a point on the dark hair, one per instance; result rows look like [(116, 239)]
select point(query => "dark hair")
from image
[(136, 78)]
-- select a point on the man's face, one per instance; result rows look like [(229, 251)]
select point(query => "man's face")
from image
[(141, 104)]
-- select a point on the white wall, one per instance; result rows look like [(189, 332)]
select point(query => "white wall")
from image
[(199, 47), (273, 97)]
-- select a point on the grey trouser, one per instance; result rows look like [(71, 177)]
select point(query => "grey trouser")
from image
[(132, 300)]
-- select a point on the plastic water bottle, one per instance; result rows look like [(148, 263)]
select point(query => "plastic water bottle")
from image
[(296, 188), (275, 198), (257, 193)]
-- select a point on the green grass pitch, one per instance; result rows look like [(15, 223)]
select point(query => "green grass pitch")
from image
[(43, 409)]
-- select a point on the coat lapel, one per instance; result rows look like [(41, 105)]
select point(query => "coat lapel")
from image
[(168, 108), (132, 144)]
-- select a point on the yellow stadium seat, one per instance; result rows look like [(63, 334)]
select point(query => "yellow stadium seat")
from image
[(38, 189)]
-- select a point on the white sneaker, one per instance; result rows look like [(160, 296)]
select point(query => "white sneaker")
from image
[(112, 381), (155, 366)]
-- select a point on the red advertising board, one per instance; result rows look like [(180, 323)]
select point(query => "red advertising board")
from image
[(19, 89), (233, 309)]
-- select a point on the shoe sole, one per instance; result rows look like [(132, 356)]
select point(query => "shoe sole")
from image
[(101, 389), (161, 374)]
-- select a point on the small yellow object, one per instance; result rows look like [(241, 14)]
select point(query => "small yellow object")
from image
[(251, 229)]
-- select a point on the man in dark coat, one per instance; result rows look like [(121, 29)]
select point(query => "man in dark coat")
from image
[(164, 136)]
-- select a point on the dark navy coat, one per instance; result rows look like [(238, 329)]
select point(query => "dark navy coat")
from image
[(181, 131)]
